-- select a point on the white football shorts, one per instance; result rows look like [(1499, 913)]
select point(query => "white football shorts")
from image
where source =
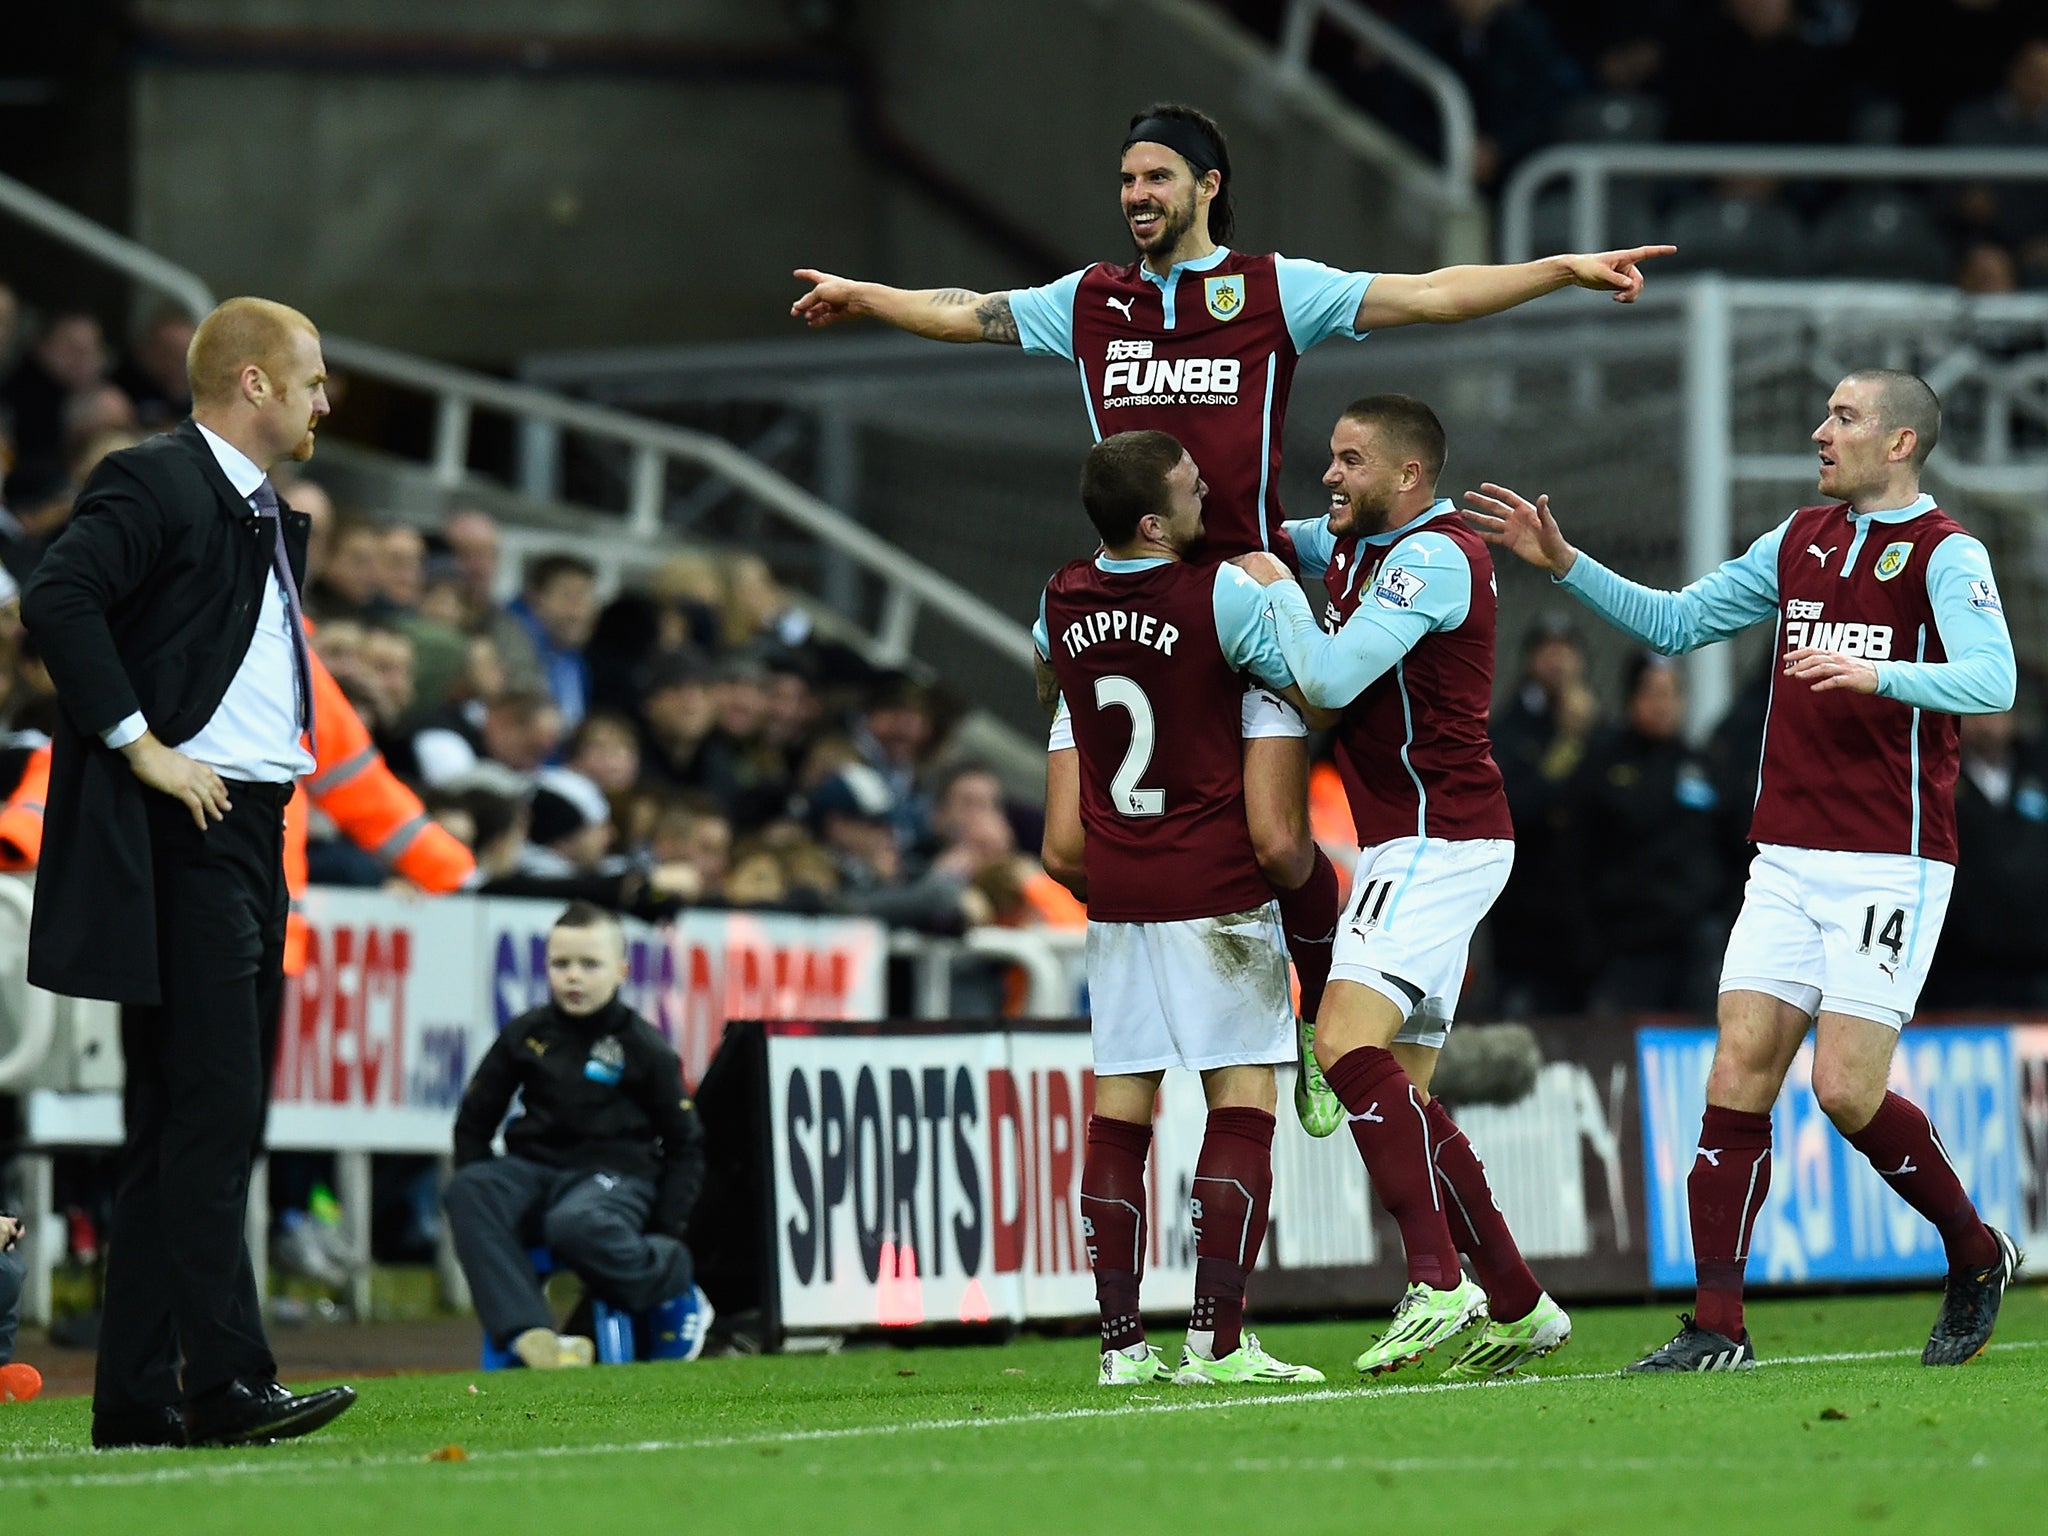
[(1833, 932), (1407, 930), (1206, 992), (1263, 713)]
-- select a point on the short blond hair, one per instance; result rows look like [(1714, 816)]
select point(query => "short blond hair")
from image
[(240, 332)]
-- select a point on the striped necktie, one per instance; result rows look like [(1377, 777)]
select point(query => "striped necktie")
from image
[(265, 499)]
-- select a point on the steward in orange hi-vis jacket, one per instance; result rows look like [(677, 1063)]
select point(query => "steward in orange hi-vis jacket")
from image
[(374, 810), (21, 820)]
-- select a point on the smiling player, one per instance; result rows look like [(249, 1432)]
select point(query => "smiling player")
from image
[(1201, 341), (1408, 658), (1890, 626)]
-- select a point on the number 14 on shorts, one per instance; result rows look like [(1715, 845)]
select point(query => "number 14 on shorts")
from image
[(1892, 936)]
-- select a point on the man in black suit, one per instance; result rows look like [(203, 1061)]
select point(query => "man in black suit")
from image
[(167, 612)]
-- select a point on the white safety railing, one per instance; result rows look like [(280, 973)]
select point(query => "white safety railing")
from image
[(910, 587), (1591, 169), (1437, 79), (35, 1012)]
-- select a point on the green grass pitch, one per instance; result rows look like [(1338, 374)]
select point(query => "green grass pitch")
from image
[(1845, 1432)]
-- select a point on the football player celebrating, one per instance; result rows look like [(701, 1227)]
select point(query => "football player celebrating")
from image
[(1408, 658), (1199, 340), (1889, 625), (1145, 821)]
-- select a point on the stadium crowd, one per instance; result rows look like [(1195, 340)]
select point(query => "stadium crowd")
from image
[(1965, 73), (694, 741)]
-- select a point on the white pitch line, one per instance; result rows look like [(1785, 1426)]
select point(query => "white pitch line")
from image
[(1130, 1409)]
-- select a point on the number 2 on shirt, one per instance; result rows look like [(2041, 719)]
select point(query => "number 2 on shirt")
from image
[(1124, 794)]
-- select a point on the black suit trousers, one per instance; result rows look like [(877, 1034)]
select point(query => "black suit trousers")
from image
[(180, 1286)]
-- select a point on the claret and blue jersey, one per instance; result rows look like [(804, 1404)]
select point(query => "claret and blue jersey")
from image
[(1906, 590), (1151, 656), (1206, 352), (1408, 657)]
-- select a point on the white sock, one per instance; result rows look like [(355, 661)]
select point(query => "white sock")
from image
[(1203, 1342)]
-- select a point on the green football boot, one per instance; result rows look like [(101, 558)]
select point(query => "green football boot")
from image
[(1316, 1104), (1425, 1318), (1248, 1365), (1122, 1369), (1503, 1347)]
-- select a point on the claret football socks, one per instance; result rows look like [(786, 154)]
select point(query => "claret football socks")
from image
[(1227, 1199), (1113, 1224), (1731, 1174), (1393, 1136), (1477, 1226), (1308, 919)]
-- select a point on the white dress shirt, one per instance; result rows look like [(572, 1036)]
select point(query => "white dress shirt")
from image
[(254, 735)]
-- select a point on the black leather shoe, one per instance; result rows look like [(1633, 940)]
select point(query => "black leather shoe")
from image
[(122, 1429), (256, 1413)]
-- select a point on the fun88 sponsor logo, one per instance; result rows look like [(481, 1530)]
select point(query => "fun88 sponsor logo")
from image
[(1804, 626), (1146, 380)]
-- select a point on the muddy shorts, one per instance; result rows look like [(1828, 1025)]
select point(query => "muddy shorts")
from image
[(1206, 992)]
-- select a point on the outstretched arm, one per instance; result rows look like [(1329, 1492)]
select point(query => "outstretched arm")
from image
[(941, 314), (1721, 603), (1451, 294)]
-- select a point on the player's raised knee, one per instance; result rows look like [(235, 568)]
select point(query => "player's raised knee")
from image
[(1847, 1095)]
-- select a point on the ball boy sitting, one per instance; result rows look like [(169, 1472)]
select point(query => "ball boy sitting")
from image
[(603, 1165)]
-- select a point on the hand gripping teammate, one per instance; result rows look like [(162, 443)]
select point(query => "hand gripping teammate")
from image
[(1890, 626), (1145, 822), (1200, 341), (1409, 660)]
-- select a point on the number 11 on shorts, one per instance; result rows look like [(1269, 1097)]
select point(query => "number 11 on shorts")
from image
[(1371, 905)]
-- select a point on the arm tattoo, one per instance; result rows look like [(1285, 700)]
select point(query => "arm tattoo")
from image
[(954, 297), (1048, 685), (997, 323)]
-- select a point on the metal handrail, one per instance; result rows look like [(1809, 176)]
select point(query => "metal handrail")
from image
[(1453, 102), (1591, 166), (910, 584), (96, 240)]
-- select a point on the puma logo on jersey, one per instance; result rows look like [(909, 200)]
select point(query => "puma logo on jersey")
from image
[(1121, 306), (1891, 972), (1711, 1154), (1904, 1168), (1871, 642), (1368, 1115), (1822, 554)]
